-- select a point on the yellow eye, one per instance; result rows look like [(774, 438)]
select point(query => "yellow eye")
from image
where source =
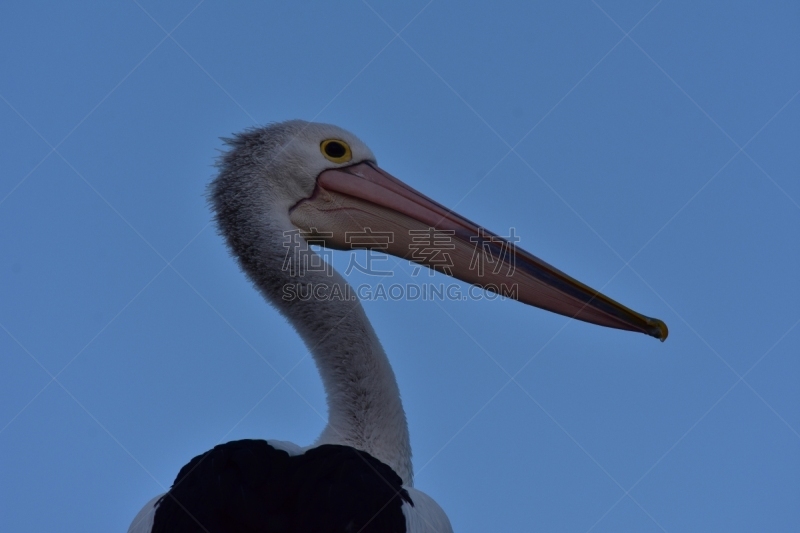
[(336, 150)]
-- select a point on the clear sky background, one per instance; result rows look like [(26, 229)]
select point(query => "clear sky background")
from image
[(649, 149)]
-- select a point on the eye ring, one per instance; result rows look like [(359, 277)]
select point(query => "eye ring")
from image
[(336, 150)]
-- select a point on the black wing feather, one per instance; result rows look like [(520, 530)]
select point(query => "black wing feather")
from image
[(248, 486)]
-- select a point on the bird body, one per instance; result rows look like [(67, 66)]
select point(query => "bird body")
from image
[(280, 188)]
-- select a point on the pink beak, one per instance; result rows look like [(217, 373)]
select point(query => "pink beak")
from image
[(363, 197)]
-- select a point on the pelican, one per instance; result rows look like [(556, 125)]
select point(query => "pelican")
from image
[(280, 188)]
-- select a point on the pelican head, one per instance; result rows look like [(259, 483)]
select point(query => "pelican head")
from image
[(324, 181)]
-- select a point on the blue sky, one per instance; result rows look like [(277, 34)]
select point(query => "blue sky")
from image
[(648, 149)]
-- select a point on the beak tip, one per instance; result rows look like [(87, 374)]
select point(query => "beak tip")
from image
[(658, 329)]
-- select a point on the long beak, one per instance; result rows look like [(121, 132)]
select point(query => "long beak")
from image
[(369, 208)]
